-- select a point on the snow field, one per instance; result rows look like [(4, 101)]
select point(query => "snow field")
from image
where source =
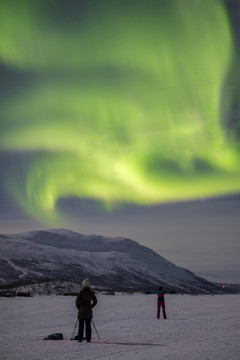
[(197, 328)]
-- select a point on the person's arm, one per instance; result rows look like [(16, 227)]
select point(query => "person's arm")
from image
[(78, 301), (94, 301)]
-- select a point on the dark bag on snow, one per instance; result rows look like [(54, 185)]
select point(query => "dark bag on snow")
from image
[(56, 336)]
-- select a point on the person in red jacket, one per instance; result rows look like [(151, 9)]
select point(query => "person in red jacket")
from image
[(161, 302), (85, 302)]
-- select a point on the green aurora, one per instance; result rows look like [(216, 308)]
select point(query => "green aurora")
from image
[(123, 102)]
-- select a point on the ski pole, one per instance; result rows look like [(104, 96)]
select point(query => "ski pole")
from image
[(96, 330), (74, 329)]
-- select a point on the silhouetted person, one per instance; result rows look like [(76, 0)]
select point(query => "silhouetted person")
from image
[(161, 303), (85, 302)]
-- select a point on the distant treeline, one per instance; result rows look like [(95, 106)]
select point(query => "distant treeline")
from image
[(27, 282)]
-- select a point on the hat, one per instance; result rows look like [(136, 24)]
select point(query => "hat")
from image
[(85, 283)]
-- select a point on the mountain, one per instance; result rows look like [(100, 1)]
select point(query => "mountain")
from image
[(117, 263)]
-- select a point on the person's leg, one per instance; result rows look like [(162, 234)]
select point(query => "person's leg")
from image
[(158, 310), (88, 330), (80, 329), (164, 311)]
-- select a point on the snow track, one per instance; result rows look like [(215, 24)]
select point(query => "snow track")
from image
[(24, 271), (17, 268)]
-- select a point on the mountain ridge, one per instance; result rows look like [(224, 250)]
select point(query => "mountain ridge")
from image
[(110, 262)]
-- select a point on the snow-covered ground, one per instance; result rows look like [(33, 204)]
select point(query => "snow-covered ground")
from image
[(197, 328)]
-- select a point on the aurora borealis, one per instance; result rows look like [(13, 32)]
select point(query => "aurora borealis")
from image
[(122, 102)]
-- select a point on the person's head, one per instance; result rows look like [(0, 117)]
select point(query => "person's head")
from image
[(160, 288), (85, 283)]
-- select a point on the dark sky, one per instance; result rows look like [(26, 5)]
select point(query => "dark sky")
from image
[(122, 118)]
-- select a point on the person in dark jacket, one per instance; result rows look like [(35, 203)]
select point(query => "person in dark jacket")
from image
[(85, 302), (161, 302)]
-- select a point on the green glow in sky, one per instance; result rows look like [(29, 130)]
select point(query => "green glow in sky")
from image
[(126, 101)]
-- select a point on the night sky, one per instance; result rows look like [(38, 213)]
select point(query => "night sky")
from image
[(121, 118)]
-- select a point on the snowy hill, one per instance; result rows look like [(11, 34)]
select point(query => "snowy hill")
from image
[(118, 263)]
